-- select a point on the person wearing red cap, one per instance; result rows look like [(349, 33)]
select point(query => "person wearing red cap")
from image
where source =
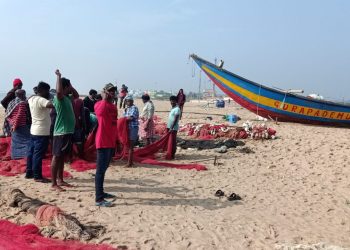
[(17, 84)]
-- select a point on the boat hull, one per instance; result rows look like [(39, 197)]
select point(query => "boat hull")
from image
[(274, 104)]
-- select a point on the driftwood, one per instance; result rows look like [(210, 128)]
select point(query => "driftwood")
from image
[(53, 217)]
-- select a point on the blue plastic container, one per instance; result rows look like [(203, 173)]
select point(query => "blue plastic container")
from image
[(232, 118), (220, 103)]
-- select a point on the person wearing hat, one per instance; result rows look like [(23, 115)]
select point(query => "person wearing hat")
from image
[(106, 137), (132, 114), (17, 84), (63, 129)]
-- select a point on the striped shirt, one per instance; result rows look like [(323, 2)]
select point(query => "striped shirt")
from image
[(18, 117)]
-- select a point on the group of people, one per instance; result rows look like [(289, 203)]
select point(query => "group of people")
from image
[(60, 118)]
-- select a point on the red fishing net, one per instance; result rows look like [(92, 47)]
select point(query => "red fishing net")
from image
[(82, 165), (210, 132), (159, 126), (10, 167), (14, 237), (145, 155)]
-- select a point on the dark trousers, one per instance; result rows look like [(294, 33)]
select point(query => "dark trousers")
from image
[(37, 149), (121, 102), (173, 134), (104, 156)]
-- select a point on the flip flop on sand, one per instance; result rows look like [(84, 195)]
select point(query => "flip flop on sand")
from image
[(234, 197), (219, 193)]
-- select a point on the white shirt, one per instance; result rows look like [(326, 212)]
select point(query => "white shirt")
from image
[(41, 120), (148, 110)]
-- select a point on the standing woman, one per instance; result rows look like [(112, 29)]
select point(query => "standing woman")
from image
[(181, 99), (147, 123), (17, 113)]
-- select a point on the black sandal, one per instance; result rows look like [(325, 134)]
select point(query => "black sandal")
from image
[(219, 193), (234, 197)]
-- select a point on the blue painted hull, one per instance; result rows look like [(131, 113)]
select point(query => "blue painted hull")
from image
[(275, 104)]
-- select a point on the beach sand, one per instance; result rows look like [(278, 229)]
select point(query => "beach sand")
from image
[(295, 191)]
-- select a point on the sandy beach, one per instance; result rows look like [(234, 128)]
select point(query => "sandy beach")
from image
[(295, 191)]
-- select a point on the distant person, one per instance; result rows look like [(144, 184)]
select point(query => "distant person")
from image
[(132, 115), (17, 84), (16, 115), (181, 99), (90, 100), (122, 94), (63, 130), (98, 97), (106, 136), (173, 122), (39, 105), (147, 123)]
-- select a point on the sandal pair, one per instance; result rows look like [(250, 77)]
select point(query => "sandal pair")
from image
[(232, 197)]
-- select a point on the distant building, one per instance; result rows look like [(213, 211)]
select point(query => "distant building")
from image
[(159, 94)]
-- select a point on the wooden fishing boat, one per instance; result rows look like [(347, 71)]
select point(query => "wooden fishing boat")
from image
[(275, 104)]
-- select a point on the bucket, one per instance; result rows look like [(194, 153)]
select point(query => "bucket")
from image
[(220, 103), (232, 118)]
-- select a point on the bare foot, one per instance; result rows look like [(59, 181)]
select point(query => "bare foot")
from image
[(57, 188), (65, 184)]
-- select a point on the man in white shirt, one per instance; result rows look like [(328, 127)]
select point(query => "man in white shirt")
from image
[(40, 131)]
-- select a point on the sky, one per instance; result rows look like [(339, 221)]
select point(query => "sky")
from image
[(299, 44)]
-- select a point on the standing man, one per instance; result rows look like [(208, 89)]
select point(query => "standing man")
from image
[(80, 127), (17, 84), (132, 115), (181, 99), (147, 123), (106, 136), (122, 94), (90, 100), (40, 131), (63, 129), (173, 123)]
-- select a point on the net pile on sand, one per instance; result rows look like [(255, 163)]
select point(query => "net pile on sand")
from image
[(209, 132)]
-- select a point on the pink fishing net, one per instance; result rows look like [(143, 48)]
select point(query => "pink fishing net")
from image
[(14, 237)]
